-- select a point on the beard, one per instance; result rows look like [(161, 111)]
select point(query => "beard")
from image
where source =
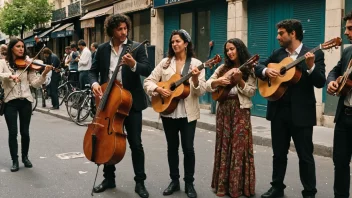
[(285, 44)]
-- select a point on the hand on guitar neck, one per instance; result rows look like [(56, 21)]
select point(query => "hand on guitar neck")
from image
[(332, 87), (235, 78), (166, 92)]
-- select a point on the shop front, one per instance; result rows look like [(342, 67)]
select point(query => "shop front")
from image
[(205, 20)]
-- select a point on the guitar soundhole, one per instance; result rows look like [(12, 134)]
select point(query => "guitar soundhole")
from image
[(283, 71), (173, 87)]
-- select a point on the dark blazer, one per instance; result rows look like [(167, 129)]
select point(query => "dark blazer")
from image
[(302, 93), (131, 80), (337, 71)]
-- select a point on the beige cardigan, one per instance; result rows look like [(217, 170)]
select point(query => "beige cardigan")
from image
[(21, 90), (244, 95), (164, 74)]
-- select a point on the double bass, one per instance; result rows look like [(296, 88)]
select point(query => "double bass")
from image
[(105, 139)]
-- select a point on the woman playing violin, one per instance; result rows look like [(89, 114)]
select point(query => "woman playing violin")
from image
[(18, 98)]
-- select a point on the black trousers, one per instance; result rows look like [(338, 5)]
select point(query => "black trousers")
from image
[(187, 129), (83, 79), (342, 152), (73, 77), (23, 109), (133, 125), (282, 129), (54, 84)]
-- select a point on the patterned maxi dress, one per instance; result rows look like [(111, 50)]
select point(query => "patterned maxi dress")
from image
[(234, 172)]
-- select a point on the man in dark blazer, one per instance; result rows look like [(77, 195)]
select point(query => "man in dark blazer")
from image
[(107, 57), (342, 149), (294, 114)]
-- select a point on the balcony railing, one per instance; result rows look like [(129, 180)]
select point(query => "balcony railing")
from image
[(74, 9), (59, 14)]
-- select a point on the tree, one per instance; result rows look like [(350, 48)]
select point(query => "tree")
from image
[(22, 15)]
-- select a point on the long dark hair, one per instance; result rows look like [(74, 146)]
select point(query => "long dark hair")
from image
[(190, 51), (9, 56), (242, 52)]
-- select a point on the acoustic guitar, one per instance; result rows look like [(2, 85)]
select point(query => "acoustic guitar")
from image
[(274, 88), (179, 88), (221, 93), (345, 83)]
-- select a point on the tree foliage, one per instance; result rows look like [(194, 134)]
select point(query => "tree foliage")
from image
[(22, 15)]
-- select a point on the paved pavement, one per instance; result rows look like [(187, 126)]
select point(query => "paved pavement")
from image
[(322, 136), (55, 177)]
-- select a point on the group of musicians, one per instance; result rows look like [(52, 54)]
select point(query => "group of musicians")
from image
[(233, 169)]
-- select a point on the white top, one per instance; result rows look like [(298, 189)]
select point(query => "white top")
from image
[(114, 59), (85, 60), (180, 111)]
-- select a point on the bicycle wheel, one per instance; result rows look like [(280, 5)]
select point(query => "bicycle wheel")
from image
[(63, 93), (73, 103), (34, 92), (84, 112)]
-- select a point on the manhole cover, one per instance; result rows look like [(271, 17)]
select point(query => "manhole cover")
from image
[(70, 155)]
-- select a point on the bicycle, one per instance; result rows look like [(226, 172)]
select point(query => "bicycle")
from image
[(34, 92), (64, 90), (80, 105)]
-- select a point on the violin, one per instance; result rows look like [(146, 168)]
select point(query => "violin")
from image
[(21, 63)]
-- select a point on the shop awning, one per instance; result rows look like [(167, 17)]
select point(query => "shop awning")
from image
[(44, 34), (98, 13), (88, 20), (2, 40), (29, 41), (62, 31)]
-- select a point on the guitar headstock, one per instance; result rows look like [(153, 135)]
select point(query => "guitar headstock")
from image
[(252, 61), (335, 42), (212, 62)]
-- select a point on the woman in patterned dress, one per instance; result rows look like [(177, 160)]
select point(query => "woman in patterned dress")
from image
[(234, 172)]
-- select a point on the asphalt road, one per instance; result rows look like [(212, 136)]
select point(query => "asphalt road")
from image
[(54, 177)]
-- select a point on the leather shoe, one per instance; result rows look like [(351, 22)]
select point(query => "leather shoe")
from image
[(190, 191), (273, 193), (141, 190), (311, 196), (173, 187), (26, 162), (106, 184), (15, 167)]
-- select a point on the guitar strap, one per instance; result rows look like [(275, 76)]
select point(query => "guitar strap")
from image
[(186, 67)]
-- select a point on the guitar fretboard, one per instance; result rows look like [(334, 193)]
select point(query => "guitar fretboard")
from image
[(186, 77), (298, 60)]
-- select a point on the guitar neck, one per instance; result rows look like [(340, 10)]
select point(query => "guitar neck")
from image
[(300, 59), (186, 77)]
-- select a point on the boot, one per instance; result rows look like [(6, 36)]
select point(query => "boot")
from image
[(190, 191), (26, 162), (15, 167), (141, 190), (173, 187)]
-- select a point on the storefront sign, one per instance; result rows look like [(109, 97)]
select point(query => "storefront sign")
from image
[(162, 3), (89, 23), (131, 6)]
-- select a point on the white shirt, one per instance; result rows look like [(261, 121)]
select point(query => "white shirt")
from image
[(85, 60), (114, 59), (294, 56)]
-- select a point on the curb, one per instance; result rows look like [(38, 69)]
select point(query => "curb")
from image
[(321, 150)]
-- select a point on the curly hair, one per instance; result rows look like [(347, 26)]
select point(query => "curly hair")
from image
[(9, 57), (114, 21), (292, 25)]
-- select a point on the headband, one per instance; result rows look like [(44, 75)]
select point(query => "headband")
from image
[(188, 37)]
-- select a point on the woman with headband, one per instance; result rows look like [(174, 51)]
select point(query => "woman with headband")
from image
[(184, 118)]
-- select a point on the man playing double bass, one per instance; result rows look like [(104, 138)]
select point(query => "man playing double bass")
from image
[(108, 56), (294, 114)]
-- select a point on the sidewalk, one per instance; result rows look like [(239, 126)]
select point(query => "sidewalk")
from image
[(322, 136)]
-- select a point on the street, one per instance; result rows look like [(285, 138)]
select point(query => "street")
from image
[(54, 177)]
